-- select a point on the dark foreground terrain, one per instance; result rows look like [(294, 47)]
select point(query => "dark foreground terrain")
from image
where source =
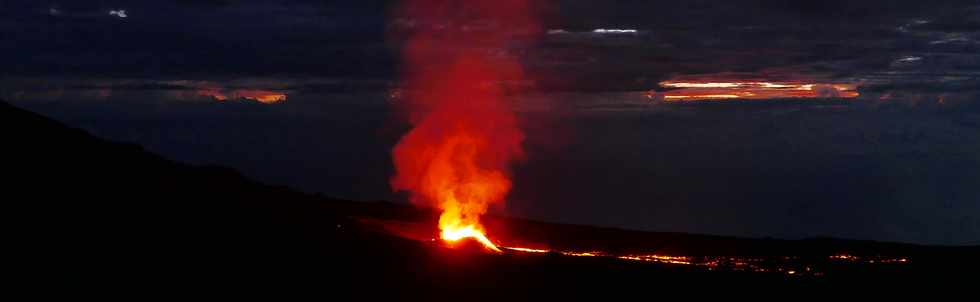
[(88, 216)]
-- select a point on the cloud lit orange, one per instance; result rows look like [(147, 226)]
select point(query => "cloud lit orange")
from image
[(752, 90)]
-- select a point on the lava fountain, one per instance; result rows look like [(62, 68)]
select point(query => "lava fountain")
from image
[(465, 135)]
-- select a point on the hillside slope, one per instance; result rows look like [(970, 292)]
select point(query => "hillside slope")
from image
[(98, 217)]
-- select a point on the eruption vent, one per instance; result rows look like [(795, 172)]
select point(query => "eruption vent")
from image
[(465, 135)]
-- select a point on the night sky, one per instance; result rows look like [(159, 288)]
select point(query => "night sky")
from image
[(848, 119)]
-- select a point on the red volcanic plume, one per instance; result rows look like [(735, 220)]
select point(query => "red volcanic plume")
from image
[(465, 134)]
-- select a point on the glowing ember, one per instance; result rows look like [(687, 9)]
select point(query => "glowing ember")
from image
[(583, 254), (844, 257), (465, 135)]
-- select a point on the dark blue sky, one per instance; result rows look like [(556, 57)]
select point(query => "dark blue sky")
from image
[(899, 162)]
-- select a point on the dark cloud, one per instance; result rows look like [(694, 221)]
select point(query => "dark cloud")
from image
[(181, 38), (207, 2), (832, 40)]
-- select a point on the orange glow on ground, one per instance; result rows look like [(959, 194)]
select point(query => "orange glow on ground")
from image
[(787, 264), (527, 250), (751, 90), (659, 258), (542, 251), (583, 254)]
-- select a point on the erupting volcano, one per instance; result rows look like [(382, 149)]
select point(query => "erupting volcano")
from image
[(465, 135)]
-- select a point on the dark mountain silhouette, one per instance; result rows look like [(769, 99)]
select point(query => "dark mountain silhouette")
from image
[(90, 216)]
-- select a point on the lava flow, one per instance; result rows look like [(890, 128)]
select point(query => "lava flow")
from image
[(465, 135)]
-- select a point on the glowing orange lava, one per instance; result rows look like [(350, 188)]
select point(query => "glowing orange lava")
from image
[(527, 250), (452, 234), (465, 134)]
